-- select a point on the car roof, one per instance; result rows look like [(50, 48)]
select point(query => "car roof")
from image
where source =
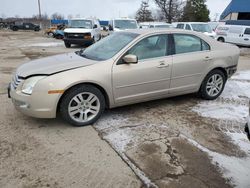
[(158, 30), (155, 23), (191, 23)]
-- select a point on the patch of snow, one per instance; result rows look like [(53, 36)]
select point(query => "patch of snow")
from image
[(242, 75), (119, 139), (224, 111), (236, 90), (231, 167), (241, 140), (47, 44)]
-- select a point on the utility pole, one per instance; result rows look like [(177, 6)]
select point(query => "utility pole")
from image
[(40, 16)]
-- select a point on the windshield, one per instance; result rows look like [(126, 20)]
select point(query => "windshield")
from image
[(80, 24), (109, 46), (126, 24), (202, 28)]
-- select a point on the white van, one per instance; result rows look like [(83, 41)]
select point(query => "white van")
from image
[(197, 26), (120, 24), (235, 34), (82, 31), (146, 25)]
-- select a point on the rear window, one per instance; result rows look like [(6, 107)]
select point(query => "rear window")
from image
[(247, 31), (188, 27), (188, 43), (180, 26)]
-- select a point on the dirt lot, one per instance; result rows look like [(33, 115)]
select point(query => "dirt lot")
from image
[(176, 142)]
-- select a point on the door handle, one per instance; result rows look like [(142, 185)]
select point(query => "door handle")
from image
[(208, 58), (163, 65), (246, 39)]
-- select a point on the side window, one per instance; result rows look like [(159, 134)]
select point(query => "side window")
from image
[(247, 31), (189, 43), (151, 47), (188, 27), (180, 26), (205, 46)]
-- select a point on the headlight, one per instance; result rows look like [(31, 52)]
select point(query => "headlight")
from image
[(29, 84)]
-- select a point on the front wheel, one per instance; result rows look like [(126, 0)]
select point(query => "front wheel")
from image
[(50, 34), (82, 105), (213, 85), (67, 45)]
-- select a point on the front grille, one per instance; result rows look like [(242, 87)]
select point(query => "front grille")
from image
[(16, 80), (76, 35)]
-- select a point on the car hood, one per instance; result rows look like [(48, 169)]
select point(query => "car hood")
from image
[(77, 30), (53, 64)]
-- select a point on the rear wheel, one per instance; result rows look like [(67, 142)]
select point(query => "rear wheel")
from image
[(82, 105), (36, 29), (15, 28), (67, 45), (213, 85), (221, 39)]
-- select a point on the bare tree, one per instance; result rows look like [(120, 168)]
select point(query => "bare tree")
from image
[(144, 14), (57, 16), (171, 9)]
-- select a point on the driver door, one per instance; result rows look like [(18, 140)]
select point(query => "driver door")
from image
[(150, 77)]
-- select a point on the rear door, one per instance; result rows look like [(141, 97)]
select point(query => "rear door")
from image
[(234, 35), (245, 38), (150, 77), (190, 59)]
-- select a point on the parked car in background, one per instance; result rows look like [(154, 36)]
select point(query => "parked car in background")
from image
[(50, 31), (58, 34), (25, 26), (247, 127), (145, 25), (235, 34), (214, 25), (197, 26), (120, 24), (82, 31), (124, 68)]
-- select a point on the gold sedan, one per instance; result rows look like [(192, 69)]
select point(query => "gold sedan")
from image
[(124, 68)]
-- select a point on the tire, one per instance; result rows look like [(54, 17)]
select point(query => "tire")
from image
[(36, 29), (82, 105), (50, 34), (15, 28), (213, 85), (67, 45), (221, 39)]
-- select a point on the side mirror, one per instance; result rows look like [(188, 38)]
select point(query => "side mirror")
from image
[(130, 59), (111, 28), (95, 26)]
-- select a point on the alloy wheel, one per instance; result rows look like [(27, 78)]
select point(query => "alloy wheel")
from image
[(84, 107), (214, 85)]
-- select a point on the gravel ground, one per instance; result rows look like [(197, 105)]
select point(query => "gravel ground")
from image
[(176, 142)]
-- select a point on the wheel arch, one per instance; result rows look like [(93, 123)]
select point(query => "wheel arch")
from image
[(103, 91), (221, 38), (216, 68)]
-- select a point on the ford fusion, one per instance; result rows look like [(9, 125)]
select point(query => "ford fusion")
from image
[(124, 68)]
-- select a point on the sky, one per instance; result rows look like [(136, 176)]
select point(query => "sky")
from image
[(102, 9)]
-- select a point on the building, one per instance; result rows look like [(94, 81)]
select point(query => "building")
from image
[(237, 10)]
